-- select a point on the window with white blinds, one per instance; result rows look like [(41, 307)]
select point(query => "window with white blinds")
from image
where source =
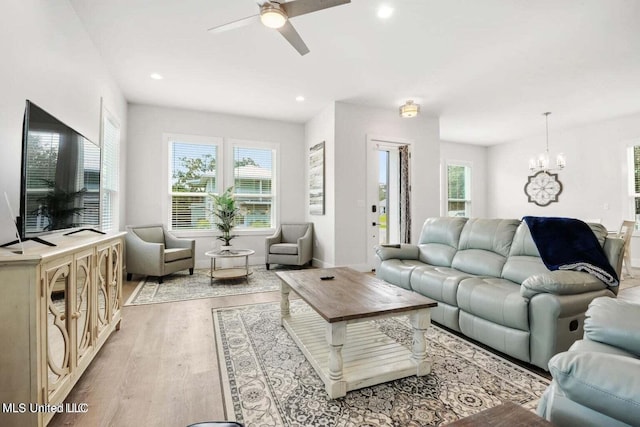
[(110, 173), (253, 186), (634, 181), (199, 168), (194, 174), (458, 190)]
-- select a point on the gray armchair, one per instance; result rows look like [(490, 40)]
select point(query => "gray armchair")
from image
[(292, 244), (152, 251), (597, 382)]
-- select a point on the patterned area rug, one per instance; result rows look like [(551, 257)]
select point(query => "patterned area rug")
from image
[(268, 382), (181, 286)]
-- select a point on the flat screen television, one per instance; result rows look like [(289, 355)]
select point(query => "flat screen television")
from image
[(60, 185)]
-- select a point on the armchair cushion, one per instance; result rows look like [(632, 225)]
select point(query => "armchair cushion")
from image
[(151, 234), (292, 232), (284, 248), (614, 322), (175, 254), (599, 381)]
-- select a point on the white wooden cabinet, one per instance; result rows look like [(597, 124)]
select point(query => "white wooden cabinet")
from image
[(58, 306)]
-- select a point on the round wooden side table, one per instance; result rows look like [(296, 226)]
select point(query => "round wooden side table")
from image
[(229, 273)]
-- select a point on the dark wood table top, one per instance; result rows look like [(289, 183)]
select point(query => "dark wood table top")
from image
[(351, 294), (506, 415)]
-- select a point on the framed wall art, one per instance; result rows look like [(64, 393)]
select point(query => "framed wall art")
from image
[(316, 179)]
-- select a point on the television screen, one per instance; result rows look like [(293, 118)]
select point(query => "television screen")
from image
[(60, 186)]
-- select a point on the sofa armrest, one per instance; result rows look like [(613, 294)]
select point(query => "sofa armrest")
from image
[(405, 251), (603, 382), (614, 322), (560, 282)]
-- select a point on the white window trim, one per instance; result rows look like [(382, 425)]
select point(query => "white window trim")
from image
[(444, 211), (106, 113), (631, 194), (275, 184), (224, 154)]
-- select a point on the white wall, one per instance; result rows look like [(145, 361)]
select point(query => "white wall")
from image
[(352, 125), (476, 157), (47, 57), (147, 166), (594, 180), (322, 128)]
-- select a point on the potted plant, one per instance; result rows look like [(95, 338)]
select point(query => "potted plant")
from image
[(225, 212)]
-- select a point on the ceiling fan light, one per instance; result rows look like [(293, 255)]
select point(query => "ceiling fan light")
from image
[(272, 16), (409, 110)]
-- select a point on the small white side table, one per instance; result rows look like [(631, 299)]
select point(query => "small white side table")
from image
[(229, 273)]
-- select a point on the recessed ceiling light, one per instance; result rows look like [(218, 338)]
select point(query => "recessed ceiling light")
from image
[(156, 76), (385, 12), (299, 98)]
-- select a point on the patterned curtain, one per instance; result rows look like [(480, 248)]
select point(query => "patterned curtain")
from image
[(405, 195)]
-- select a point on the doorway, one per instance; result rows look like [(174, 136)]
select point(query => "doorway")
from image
[(387, 194)]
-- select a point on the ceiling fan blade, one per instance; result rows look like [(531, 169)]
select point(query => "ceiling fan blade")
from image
[(301, 7), (234, 24), (292, 36)]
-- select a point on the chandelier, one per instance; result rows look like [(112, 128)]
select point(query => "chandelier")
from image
[(541, 163)]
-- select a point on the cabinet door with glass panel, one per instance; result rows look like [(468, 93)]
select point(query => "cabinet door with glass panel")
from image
[(57, 286)]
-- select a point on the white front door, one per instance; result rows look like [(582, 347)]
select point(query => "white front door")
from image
[(383, 195)]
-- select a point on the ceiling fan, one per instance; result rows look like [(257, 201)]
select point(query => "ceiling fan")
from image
[(276, 14)]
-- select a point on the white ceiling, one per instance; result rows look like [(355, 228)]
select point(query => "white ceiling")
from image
[(487, 68)]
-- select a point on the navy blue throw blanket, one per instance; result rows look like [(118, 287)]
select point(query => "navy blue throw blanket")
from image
[(570, 244)]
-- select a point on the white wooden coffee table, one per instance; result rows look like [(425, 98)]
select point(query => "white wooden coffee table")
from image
[(229, 273), (343, 307)]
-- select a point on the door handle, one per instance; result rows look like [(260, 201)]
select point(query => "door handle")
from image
[(374, 224)]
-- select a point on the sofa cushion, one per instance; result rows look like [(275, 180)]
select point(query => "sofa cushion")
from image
[(524, 259), (176, 254), (284, 249), (398, 271), (439, 240), (496, 300), (484, 246), (439, 283)]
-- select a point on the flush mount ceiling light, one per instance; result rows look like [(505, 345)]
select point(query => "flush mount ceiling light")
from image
[(156, 76), (385, 12), (299, 98), (272, 16), (409, 109)]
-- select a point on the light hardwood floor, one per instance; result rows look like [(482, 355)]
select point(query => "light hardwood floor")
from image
[(161, 368)]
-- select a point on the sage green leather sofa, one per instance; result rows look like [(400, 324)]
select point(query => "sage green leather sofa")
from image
[(597, 382), (491, 284)]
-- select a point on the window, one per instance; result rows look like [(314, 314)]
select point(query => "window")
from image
[(193, 168), (110, 146), (201, 167), (253, 185), (634, 181), (458, 190)]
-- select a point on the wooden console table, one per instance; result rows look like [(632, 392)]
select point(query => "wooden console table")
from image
[(49, 338)]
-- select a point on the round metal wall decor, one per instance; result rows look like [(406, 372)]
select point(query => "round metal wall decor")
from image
[(543, 188)]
